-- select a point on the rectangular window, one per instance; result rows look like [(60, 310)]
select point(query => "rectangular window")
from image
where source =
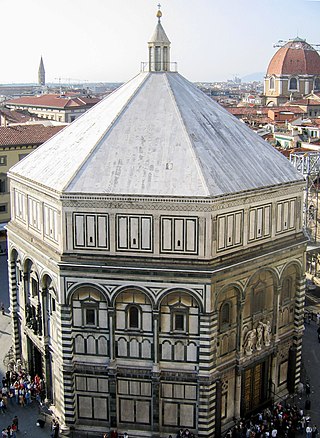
[(134, 233), (90, 316), (34, 214), (230, 230), (50, 222), (179, 321), (20, 205), (90, 231), (179, 235), (21, 156), (3, 160), (3, 208), (286, 215), (259, 222), (3, 184)]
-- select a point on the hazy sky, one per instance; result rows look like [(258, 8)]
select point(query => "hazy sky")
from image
[(105, 40)]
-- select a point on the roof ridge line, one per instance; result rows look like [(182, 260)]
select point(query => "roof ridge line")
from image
[(189, 140)]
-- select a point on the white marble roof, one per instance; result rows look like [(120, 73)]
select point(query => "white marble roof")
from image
[(156, 135), (159, 35)]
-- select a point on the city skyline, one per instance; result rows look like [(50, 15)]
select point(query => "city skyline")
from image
[(211, 40)]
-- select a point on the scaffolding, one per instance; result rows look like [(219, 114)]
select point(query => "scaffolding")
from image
[(308, 164)]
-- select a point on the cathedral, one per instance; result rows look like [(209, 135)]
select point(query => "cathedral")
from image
[(156, 262), (293, 72)]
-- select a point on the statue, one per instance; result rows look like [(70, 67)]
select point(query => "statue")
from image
[(267, 333), (19, 365), (249, 342), (259, 330), (28, 312)]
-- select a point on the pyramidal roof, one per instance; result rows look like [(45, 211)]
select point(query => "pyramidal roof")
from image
[(159, 35), (156, 135)]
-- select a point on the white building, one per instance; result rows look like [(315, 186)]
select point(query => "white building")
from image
[(157, 262)]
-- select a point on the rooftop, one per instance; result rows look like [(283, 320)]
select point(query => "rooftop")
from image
[(27, 134), (53, 101)]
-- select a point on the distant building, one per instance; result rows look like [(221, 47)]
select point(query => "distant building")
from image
[(293, 72), (61, 108), (16, 142), (310, 104), (41, 74), (157, 261), (16, 117)]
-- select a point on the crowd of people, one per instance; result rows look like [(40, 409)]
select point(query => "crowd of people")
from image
[(21, 389), (12, 429), (281, 421), (18, 388)]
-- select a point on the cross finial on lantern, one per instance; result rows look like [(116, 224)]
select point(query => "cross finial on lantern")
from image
[(159, 13)]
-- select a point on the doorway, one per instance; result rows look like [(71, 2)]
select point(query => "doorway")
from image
[(255, 387), (34, 360)]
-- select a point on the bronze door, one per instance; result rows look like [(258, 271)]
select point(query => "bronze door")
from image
[(254, 387)]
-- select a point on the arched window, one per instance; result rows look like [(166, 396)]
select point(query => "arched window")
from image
[(293, 84), (184, 314), (286, 289), (133, 317), (34, 287), (317, 84), (271, 83), (258, 298), (88, 308), (225, 314)]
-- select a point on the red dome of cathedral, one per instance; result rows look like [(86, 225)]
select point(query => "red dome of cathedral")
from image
[(297, 57)]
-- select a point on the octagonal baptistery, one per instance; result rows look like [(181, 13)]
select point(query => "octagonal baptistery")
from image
[(156, 262), (294, 71)]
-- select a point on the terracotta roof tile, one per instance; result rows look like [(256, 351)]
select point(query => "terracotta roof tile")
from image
[(27, 134), (295, 58), (53, 101), (17, 116)]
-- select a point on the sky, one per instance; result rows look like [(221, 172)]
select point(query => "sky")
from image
[(106, 40)]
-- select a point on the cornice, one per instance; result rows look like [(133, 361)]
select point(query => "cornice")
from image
[(182, 204)]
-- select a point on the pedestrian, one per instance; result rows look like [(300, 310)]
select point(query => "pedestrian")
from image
[(318, 331), (15, 421), (14, 430), (55, 429), (308, 389), (315, 432), (114, 434), (125, 435), (308, 431), (21, 399), (28, 397), (318, 318), (2, 308)]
